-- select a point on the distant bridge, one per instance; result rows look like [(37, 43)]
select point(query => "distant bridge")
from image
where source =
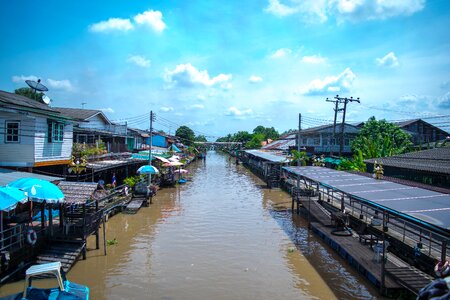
[(215, 145)]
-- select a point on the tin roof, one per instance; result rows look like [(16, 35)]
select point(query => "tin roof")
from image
[(77, 192), (7, 176), (411, 202), (271, 156), (435, 160)]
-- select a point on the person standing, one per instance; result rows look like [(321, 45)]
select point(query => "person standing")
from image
[(114, 182)]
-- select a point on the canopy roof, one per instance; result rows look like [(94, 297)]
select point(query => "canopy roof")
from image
[(410, 202), (275, 157)]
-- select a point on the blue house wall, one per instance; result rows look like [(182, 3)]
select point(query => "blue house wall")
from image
[(157, 141)]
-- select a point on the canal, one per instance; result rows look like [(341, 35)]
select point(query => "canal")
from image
[(222, 235)]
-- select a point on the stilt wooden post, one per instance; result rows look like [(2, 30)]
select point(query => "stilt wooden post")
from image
[(43, 215), (383, 260), (50, 219), (97, 237), (104, 234)]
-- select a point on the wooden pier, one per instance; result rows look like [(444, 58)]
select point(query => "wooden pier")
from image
[(358, 255), (409, 277), (134, 205), (65, 252)]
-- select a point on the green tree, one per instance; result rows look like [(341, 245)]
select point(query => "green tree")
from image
[(186, 135), (380, 139), (268, 132), (29, 93), (200, 138), (299, 156), (255, 142), (242, 137)]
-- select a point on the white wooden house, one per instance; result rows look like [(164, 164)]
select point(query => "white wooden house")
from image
[(32, 134), (93, 125)]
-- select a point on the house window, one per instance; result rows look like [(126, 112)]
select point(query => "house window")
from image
[(12, 131), (316, 141), (55, 132)]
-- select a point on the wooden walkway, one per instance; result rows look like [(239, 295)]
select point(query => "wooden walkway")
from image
[(65, 252), (409, 277), (318, 211), (134, 206), (359, 256)]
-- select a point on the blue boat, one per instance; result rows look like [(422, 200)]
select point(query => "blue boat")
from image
[(65, 290)]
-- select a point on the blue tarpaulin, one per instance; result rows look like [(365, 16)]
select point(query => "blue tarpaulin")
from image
[(175, 148)]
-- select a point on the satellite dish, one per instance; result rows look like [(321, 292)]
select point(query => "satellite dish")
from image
[(36, 86), (46, 99)]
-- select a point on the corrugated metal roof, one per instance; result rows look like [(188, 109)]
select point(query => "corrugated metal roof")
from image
[(14, 99), (270, 156), (81, 114), (7, 176), (420, 204), (435, 160), (77, 192)]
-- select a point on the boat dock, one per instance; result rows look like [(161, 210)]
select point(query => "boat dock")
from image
[(134, 205), (65, 252)]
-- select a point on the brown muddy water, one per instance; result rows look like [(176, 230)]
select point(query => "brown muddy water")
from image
[(222, 235)]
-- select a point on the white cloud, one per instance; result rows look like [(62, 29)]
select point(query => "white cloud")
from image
[(22, 78), (389, 60), (255, 79), (152, 19), (187, 75), (313, 59), (280, 10), (111, 25), (233, 111), (197, 106), (139, 60), (165, 108), (358, 10), (330, 84), (445, 101), (345, 10), (60, 84), (108, 110), (282, 52)]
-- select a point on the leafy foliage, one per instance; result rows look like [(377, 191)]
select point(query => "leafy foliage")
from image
[(355, 164), (269, 133), (89, 150), (381, 139), (251, 141), (29, 93), (186, 135), (132, 180), (299, 156), (255, 142), (200, 138)]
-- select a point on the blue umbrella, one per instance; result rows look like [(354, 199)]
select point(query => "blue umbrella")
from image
[(10, 196), (39, 190), (147, 169)]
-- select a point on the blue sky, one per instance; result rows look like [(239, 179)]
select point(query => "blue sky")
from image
[(224, 66)]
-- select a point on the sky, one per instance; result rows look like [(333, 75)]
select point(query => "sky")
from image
[(224, 66)]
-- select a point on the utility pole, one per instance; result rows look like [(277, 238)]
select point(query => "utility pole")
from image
[(344, 101), (298, 137), (336, 103), (152, 117)]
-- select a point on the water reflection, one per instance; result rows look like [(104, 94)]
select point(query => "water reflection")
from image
[(220, 236)]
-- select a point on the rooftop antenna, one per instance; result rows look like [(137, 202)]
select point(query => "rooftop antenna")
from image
[(83, 104), (36, 86)]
